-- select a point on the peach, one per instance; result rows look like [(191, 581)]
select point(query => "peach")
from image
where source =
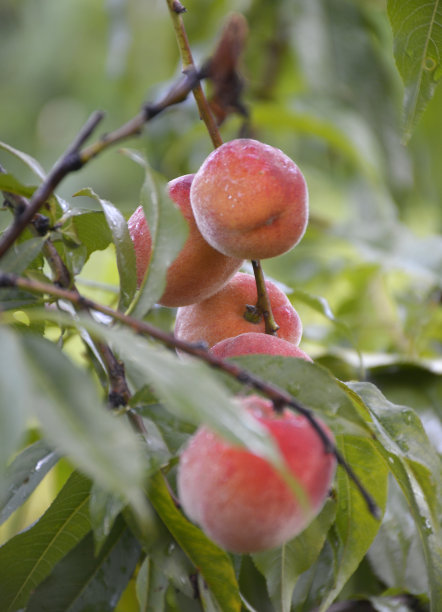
[(253, 343), (250, 200), (240, 501), (199, 270), (223, 315)]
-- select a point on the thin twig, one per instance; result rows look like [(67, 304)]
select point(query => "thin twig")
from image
[(278, 396), (263, 306), (73, 159), (176, 10), (119, 394), (69, 162)]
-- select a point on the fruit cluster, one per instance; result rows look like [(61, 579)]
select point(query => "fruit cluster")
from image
[(248, 200)]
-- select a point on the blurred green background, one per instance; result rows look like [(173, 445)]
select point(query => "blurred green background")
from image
[(320, 83)]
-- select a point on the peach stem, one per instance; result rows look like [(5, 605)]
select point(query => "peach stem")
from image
[(263, 304), (176, 9)]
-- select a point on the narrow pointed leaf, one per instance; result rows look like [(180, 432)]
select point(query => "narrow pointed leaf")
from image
[(417, 469), (355, 528), (123, 246), (29, 557), (151, 587), (213, 563), (16, 398), (282, 566), (83, 581), (417, 31), (9, 183), (104, 507), (24, 474), (164, 220), (92, 230), (77, 423), (396, 555), (29, 161), (312, 385), (20, 256)]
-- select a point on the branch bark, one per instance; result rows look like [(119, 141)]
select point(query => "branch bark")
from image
[(279, 397)]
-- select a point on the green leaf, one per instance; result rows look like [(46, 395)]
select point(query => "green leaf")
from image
[(83, 581), (9, 183), (104, 507), (15, 399), (24, 474), (29, 161), (21, 256), (396, 554), (417, 34), (355, 528), (414, 385), (151, 587), (282, 566), (29, 557), (77, 423), (123, 246), (314, 387), (164, 220), (213, 563), (173, 380), (92, 230), (417, 469)]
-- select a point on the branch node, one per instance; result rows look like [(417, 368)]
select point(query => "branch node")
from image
[(178, 8), (8, 280), (116, 400), (42, 224)]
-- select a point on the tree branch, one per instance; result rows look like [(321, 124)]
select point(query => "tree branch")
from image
[(176, 9), (278, 396)]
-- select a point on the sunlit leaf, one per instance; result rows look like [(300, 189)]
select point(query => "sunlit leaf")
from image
[(29, 557), (417, 30)]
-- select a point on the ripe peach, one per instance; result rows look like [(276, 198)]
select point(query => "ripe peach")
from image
[(222, 315), (199, 270), (238, 498), (252, 343), (250, 200)]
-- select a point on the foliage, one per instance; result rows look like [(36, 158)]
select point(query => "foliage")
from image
[(87, 512)]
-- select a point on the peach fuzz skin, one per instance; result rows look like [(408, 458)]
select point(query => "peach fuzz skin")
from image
[(199, 270), (253, 343), (238, 498), (250, 200), (222, 315)]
